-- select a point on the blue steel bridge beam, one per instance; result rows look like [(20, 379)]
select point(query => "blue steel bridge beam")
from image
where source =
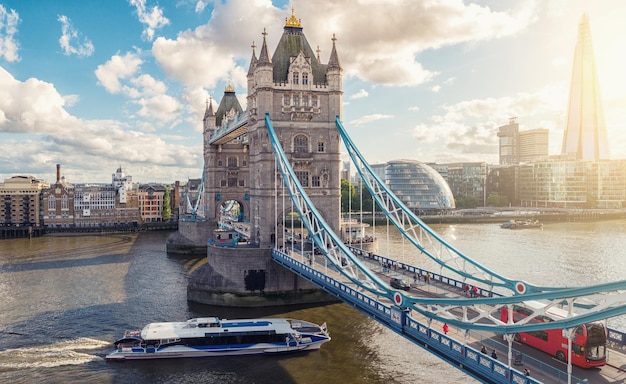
[(463, 312), (421, 235), (331, 246)]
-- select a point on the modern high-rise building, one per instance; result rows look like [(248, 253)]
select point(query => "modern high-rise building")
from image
[(585, 133), (521, 146), (533, 144), (508, 138)]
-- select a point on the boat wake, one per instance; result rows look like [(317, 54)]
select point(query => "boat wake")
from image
[(69, 352)]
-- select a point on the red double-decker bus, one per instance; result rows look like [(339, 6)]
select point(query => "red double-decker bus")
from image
[(588, 343)]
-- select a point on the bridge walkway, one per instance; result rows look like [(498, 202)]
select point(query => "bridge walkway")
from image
[(543, 367)]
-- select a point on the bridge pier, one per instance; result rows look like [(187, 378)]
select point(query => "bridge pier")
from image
[(247, 276)]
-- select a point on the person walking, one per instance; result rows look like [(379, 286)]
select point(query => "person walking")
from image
[(483, 350), (445, 328), (494, 355)]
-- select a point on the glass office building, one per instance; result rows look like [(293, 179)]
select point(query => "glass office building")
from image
[(418, 186)]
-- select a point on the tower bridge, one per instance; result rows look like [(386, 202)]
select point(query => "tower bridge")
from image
[(281, 157)]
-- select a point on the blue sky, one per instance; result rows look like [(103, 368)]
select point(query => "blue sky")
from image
[(97, 84)]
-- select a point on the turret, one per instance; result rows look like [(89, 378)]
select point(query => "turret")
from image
[(208, 121), (334, 78)]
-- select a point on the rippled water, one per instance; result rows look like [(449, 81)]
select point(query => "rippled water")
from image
[(65, 299)]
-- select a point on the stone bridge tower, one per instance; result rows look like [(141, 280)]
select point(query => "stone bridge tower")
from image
[(303, 97)]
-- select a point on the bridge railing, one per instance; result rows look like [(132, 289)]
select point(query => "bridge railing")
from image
[(398, 320), (617, 339)]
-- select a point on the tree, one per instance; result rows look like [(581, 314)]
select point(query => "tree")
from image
[(347, 195), (497, 201), (167, 210)]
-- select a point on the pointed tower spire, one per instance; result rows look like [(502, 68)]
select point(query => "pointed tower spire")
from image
[(585, 133), (208, 113), (253, 60), (264, 57), (333, 62)]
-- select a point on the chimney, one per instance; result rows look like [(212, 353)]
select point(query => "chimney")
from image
[(58, 173)]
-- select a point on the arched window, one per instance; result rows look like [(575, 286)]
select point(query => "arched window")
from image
[(305, 78), (301, 144), (296, 77), (232, 162)]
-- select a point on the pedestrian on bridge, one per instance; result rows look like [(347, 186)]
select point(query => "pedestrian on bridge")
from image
[(494, 355), (446, 328)]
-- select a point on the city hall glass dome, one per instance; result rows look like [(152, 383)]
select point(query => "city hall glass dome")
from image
[(418, 186)]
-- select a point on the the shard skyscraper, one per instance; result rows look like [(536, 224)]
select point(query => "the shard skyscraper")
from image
[(585, 132)]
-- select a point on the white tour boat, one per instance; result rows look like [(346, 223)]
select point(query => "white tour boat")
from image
[(211, 336)]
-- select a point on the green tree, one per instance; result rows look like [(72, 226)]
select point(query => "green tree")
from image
[(467, 202), (497, 201), (167, 209), (347, 195), (368, 201)]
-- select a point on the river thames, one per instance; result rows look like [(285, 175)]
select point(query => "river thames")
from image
[(65, 299)]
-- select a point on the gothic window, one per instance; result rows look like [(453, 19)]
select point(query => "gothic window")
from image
[(219, 162), (287, 100), (64, 202), (242, 183), (232, 181), (320, 146), (223, 183), (296, 77), (52, 202), (305, 78), (314, 101), (303, 177), (244, 163), (232, 162), (296, 101), (305, 101), (301, 144), (315, 181)]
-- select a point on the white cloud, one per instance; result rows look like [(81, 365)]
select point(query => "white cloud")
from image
[(122, 74), (369, 118), (360, 94), (468, 129), (88, 149), (8, 29), (435, 88), (152, 19), (415, 108), (70, 40), (30, 106), (161, 107), (218, 50), (200, 5), (118, 67), (381, 43)]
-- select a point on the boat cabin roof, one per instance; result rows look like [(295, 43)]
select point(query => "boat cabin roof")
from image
[(201, 327)]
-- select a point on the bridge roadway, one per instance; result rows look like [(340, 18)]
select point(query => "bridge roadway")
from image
[(543, 368)]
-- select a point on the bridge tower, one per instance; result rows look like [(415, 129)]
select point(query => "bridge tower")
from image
[(302, 97), (226, 170)]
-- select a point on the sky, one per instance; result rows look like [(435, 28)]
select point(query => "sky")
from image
[(94, 85)]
